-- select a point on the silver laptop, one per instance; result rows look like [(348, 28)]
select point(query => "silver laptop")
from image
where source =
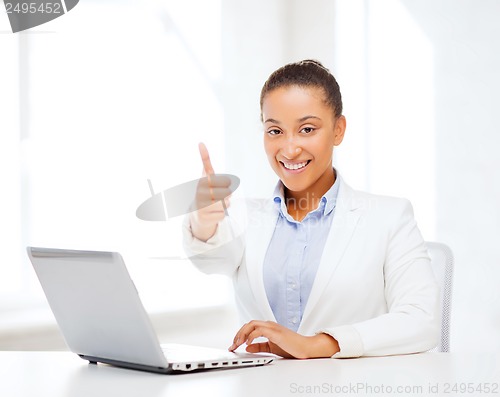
[(102, 319)]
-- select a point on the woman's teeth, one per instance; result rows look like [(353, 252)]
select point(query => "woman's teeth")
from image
[(295, 166)]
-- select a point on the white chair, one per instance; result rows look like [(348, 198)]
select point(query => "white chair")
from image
[(442, 265)]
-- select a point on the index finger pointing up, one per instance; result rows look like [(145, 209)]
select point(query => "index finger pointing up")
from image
[(205, 158)]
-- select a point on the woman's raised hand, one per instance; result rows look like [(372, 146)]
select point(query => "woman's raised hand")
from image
[(212, 199)]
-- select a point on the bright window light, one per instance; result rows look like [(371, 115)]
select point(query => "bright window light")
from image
[(116, 94)]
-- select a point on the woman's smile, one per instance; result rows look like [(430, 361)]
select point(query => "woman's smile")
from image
[(295, 167)]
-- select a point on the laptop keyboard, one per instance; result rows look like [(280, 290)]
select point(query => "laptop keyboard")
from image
[(183, 353)]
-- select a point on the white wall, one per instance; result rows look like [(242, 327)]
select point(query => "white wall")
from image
[(464, 36), (252, 46)]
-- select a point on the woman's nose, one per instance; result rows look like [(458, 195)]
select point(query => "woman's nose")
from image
[(291, 149)]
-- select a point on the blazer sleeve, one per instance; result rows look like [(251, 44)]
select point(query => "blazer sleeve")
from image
[(220, 254), (411, 323)]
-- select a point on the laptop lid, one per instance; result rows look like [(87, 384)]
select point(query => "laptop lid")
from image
[(97, 307)]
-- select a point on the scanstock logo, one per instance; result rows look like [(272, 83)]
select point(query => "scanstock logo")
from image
[(26, 14)]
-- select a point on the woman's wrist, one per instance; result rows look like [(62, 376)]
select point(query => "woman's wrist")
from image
[(323, 346), (201, 231)]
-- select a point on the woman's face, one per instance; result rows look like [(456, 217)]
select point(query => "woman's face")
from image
[(300, 131)]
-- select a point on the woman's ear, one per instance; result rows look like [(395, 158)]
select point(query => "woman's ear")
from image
[(339, 130)]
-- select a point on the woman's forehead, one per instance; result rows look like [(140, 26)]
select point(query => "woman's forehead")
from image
[(293, 99)]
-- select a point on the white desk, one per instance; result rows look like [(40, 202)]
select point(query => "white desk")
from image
[(57, 374)]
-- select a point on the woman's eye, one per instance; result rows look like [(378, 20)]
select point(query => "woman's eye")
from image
[(307, 130), (273, 132)]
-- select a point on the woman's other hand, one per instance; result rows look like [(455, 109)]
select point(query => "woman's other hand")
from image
[(283, 341)]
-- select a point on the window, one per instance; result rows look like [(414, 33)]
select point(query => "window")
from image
[(99, 101)]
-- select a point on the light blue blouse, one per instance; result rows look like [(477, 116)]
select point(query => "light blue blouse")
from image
[(293, 256)]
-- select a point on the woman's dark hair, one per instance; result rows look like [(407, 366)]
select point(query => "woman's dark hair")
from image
[(306, 73)]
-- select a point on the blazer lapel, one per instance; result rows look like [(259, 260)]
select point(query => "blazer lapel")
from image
[(344, 222), (261, 227)]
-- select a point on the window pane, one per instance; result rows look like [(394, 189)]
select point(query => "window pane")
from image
[(118, 94)]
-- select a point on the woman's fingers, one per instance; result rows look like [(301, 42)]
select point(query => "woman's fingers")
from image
[(205, 158), (250, 331), (206, 197), (211, 199), (267, 347), (281, 340), (262, 347), (213, 188), (210, 191), (241, 335), (220, 182)]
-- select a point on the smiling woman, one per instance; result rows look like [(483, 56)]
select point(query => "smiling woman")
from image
[(301, 107), (322, 270), (300, 149)]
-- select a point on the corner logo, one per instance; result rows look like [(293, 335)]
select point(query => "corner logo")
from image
[(26, 14)]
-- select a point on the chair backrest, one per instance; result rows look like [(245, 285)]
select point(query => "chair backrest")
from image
[(442, 265)]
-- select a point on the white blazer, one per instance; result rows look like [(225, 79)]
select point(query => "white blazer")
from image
[(374, 291)]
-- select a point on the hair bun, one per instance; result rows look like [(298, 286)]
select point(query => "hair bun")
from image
[(306, 73), (313, 62)]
